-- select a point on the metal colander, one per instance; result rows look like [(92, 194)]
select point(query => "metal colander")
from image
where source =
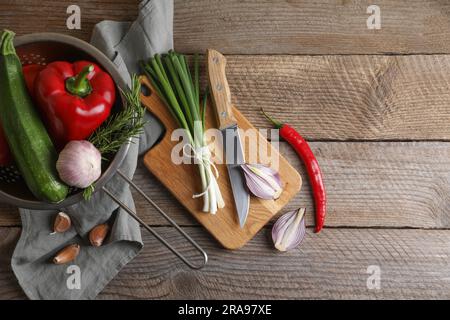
[(9, 174), (44, 48)]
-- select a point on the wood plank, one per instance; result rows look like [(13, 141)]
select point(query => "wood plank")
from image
[(9, 288), (333, 265), (356, 97), (414, 264), (9, 216), (29, 16), (333, 97), (347, 97), (376, 184), (261, 27), (311, 27)]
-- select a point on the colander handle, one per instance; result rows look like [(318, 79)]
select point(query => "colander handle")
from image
[(149, 229)]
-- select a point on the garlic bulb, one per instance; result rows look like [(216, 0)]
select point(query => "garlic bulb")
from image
[(289, 230), (79, 164), (263, 181)]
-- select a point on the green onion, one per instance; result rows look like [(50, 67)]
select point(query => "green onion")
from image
[(173, 82)]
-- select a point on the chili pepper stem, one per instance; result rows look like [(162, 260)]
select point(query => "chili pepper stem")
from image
[(276, 123), (79, 85)]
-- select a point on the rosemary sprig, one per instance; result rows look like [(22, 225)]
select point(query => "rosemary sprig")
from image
[(88, 192), (119, 128)]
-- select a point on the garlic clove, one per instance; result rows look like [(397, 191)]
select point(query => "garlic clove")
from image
[(98, 234), (289, 230), (67, 254), (62, 223), (262, 181)]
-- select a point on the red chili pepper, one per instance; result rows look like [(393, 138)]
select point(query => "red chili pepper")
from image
[(74, 99), (312, 167)]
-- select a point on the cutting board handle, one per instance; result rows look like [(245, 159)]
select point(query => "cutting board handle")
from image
[(220, 89)]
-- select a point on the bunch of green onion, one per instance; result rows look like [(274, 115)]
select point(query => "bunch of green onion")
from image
[(172, 80)]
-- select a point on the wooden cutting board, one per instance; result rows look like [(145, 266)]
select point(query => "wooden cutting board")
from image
[(183, 180)]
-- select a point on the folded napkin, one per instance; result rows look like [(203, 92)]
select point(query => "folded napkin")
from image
[(125, 44)]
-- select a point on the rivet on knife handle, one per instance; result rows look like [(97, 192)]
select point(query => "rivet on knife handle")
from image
[(219, 89)]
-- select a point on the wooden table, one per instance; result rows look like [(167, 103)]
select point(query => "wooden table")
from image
[(375, 105)]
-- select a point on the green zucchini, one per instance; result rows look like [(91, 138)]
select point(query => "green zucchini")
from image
[(30, 144)]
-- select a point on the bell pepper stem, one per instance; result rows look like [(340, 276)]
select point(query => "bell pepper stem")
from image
[(276, 123), (79, 85)]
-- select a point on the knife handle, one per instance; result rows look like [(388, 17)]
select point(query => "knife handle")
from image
[(219, 89)]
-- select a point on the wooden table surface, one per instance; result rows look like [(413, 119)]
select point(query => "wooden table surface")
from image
[(375, 105)]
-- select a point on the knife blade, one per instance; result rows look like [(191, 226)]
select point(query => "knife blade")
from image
[(232, 145)]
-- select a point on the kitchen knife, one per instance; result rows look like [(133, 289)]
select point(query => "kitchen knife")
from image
[(232, 146)]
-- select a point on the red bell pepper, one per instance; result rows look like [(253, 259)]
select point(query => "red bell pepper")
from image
[(74, 99), (30, 72)]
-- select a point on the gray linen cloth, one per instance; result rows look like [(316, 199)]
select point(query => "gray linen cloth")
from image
[(125, 43)]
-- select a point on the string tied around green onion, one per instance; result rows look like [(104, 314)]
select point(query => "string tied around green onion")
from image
[(203, 155)]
